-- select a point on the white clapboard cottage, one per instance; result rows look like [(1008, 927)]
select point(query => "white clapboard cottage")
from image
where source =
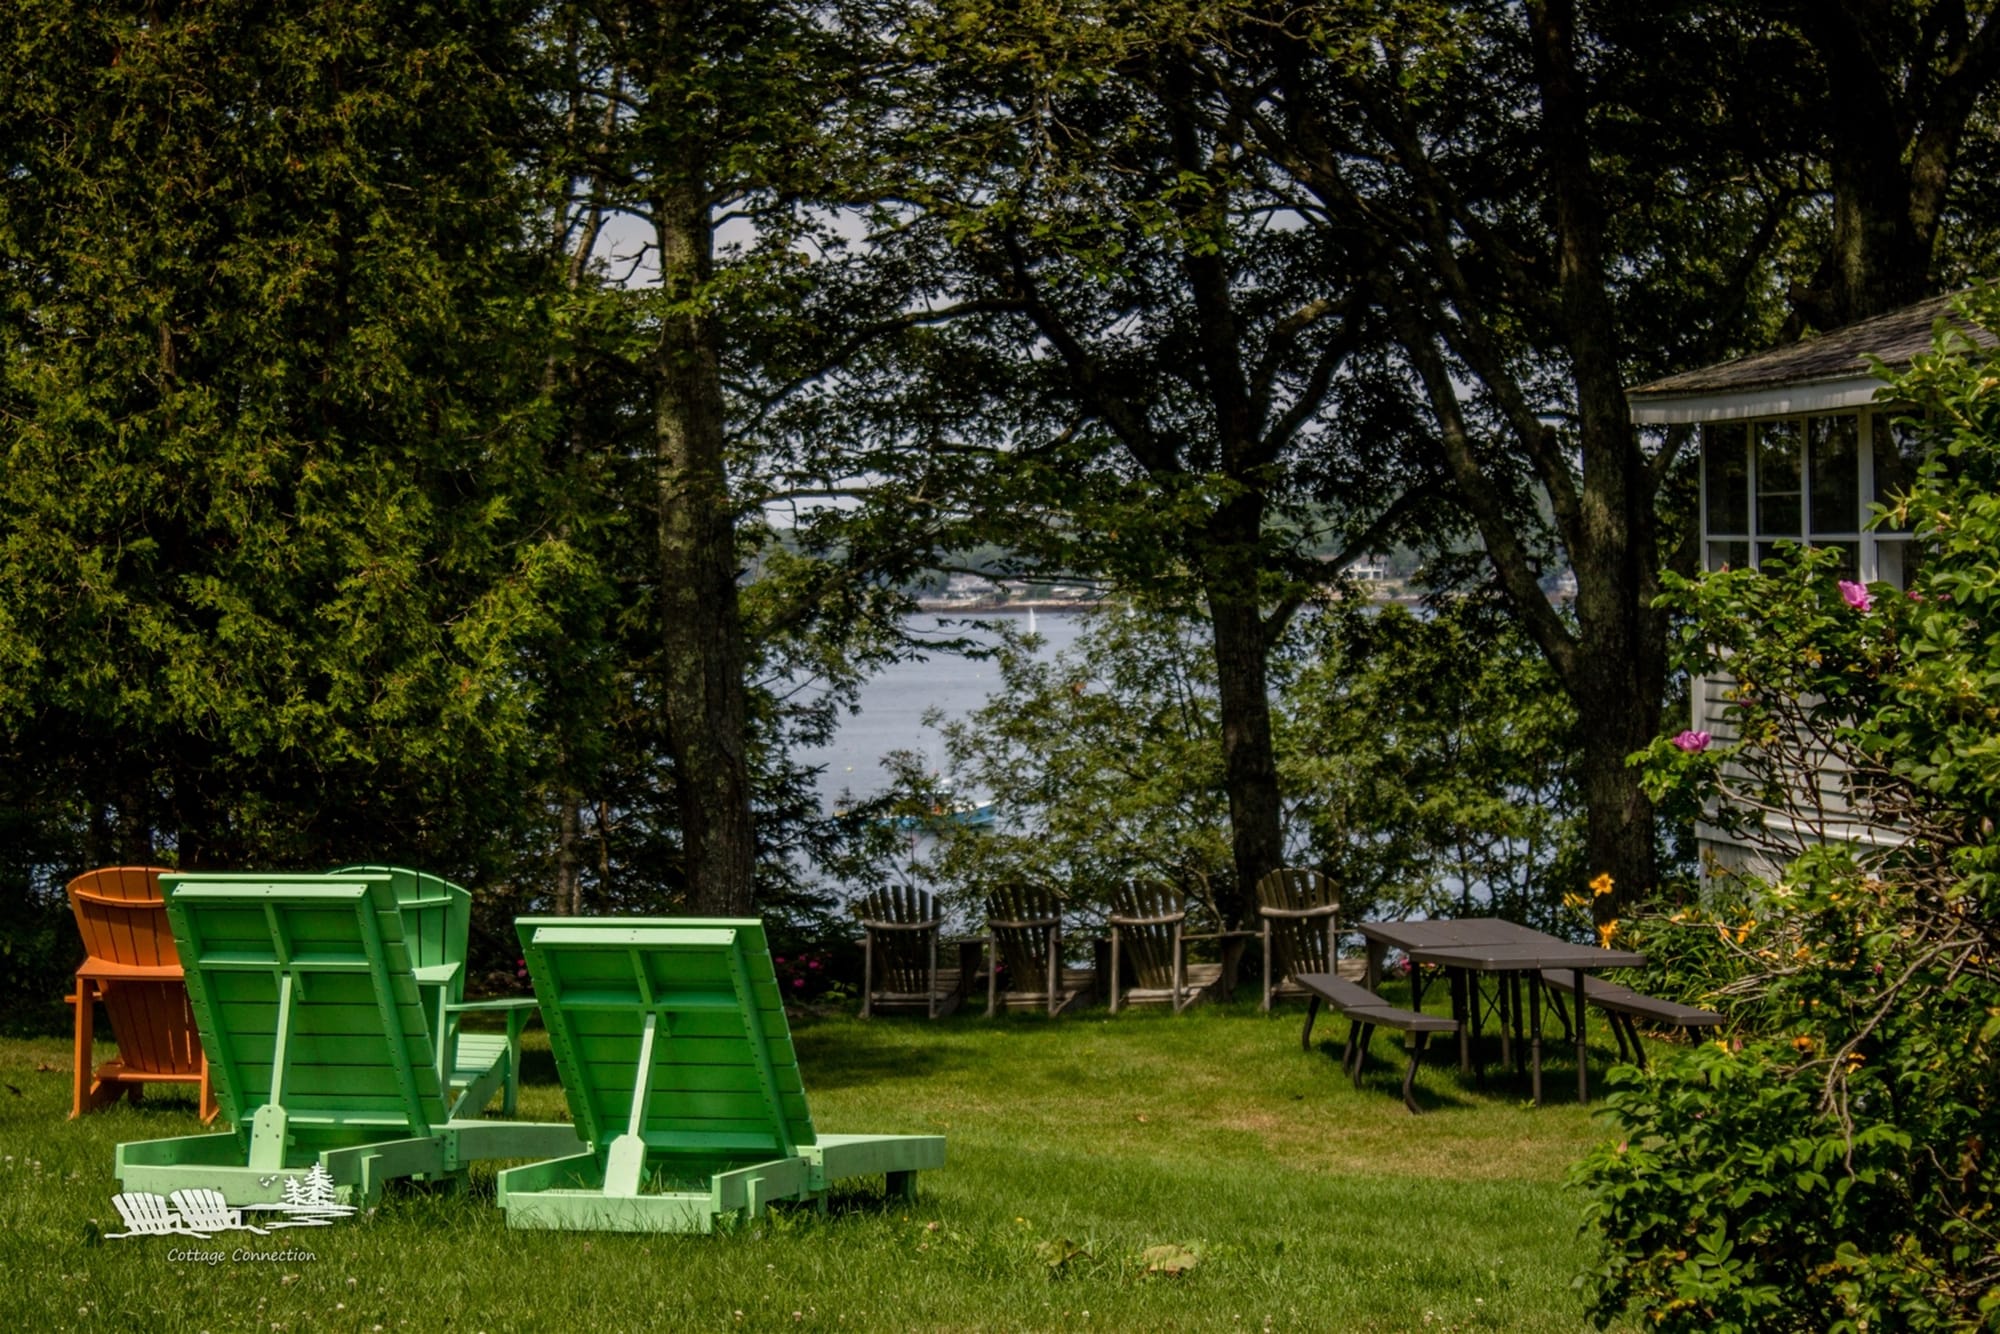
[(1794, 446)]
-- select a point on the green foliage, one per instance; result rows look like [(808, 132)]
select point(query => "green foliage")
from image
[(1429, 758), (1104, 762), (1835, 1174), (1732, 1204), (1424, 760), (270, 520), (1708, 953)]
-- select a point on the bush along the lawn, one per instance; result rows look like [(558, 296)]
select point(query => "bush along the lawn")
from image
[(1837, 1171)]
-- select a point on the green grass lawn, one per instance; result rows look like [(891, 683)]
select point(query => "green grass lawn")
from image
[(1074, 1146)]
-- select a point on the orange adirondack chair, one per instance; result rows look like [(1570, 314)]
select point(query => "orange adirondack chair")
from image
[(133, 971)]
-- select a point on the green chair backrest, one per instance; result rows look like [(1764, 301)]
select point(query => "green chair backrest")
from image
[(306, 998), (671, 1029), (437, 918)]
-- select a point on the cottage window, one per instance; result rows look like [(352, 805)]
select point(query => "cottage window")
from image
[(1806, 479)]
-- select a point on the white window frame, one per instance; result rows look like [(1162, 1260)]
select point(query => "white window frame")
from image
[(1868, 542)]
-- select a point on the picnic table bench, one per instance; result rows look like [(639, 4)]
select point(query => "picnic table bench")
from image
[(1366, 1011), (1624, 1005)]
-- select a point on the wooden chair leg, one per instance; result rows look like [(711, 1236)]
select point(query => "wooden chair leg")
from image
[(85, 1024), (867, 973), (992, 974), (1055, 970), (1112, 994), (930, 979), (1305, 1034), (1269, 981), (210, 1108)]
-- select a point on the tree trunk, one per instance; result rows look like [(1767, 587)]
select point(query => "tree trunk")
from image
[(569, 892), (1243, 697), (1900, 96), (701, 621), (1617, 659)]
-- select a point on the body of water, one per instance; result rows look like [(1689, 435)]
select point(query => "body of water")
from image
[(893, 704)]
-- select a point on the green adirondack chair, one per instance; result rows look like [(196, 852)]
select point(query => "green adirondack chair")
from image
[(437, 925), (674, 1051), (319, 1045)]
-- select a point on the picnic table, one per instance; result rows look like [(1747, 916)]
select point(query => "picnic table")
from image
[(1467, 948)]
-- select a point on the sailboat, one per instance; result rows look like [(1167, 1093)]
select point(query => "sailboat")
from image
[(1031, 620)]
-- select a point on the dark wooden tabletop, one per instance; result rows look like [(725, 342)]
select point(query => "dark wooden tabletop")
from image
[(1490, 944)]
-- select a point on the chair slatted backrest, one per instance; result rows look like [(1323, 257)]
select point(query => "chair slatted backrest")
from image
[(1023, 949), (1301, 944), (437, 918), (902, 958), (1143, 938), (306, 997), (671, 1029), (437, 928), (123, 921)]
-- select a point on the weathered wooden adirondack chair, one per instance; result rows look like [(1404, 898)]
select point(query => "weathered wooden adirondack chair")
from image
[(316, 1030), (1024, 934), (672, 1043), (1148, 925), (131, 969), (1299, 912), (437, 926), (900, 929)]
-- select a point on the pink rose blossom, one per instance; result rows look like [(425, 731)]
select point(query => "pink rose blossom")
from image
[(1692, 742), (1856, 595)]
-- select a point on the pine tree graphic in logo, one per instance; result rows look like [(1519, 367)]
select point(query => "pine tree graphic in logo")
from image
[(311, 1200)]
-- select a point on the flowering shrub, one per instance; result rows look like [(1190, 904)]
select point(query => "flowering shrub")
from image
[(810, 976), (1834, 1173)]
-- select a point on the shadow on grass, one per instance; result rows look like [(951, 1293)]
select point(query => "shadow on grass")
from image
[(538, 1068), (831, 1059), (1386, 1076)]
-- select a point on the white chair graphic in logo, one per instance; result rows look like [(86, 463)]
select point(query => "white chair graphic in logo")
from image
[(147, 1215), (207, 1209)]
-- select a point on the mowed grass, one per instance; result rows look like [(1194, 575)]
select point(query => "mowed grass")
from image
[(1074, 1146)]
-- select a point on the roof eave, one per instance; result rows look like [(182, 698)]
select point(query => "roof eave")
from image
[(1844, 394)]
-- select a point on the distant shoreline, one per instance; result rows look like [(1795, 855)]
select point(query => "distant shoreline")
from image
[(988, 606), (991, 607)]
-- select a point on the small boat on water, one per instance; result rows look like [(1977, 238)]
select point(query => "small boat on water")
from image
[(966, 815)]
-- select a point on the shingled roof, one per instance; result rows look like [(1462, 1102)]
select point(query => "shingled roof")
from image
[(1840, 354)]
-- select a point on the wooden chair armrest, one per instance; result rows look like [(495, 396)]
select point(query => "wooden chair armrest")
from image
[(1147, 921), (104, 970), (1324, 910), (931, 925), (1223, 935), (110, 901), (1025, 922), (497, 1004)]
